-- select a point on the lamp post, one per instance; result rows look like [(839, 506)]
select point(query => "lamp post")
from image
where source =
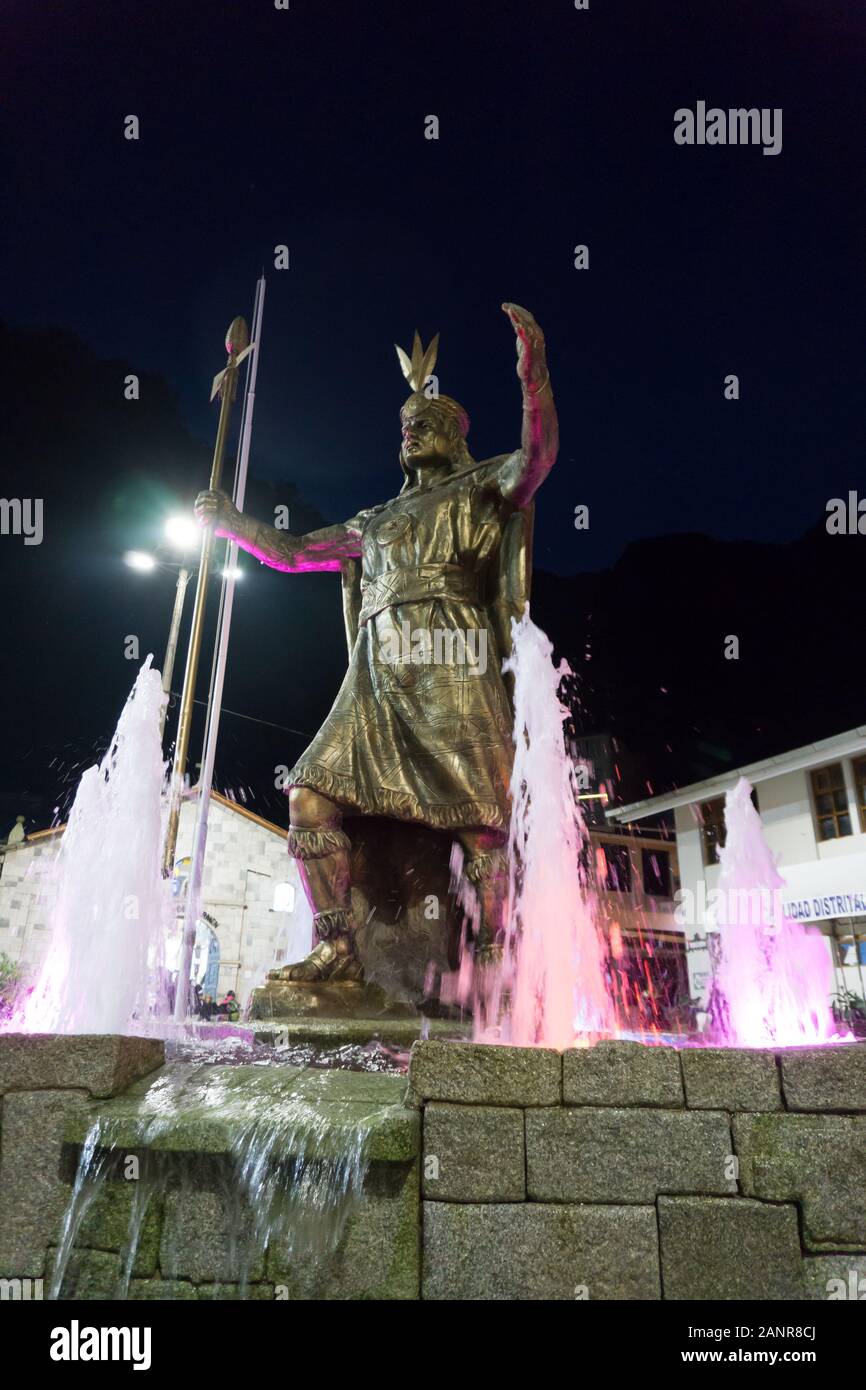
[(182, 534), (171, 647)]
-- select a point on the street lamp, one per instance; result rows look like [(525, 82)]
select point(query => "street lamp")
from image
[(183, 534), (138, 560)]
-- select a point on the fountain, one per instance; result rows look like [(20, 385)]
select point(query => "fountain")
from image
[(550, 986), (237, 1171), (774, 976), (288, 1161), (104, 969)]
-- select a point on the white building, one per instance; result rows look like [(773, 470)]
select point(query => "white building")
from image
[(812, 803), (255, 912)]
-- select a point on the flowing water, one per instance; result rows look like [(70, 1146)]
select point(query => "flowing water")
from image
[(557, 983), (283, 1153)]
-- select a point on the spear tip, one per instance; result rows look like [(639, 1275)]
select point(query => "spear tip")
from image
[(238, 336)]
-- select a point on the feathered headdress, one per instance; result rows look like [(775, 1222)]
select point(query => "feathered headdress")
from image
[(417, 370), (419, 367)]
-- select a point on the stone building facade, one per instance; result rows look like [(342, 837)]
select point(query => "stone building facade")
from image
[(255, 911)]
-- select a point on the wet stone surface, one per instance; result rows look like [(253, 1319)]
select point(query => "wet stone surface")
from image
[(207, 1109), (474, 1153), (625, 1155), (717, 1248), (603, 1172), (534, 1251)]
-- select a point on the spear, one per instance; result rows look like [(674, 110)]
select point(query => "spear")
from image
[(224, 385), (199, 838)]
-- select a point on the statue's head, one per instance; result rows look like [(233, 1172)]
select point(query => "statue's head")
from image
[(434, 433), (434, 427)]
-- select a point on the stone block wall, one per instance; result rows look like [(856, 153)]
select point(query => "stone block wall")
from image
[(613, 1172), (195, 1238), (631, 1172), (45, 1083), (195, 1244)]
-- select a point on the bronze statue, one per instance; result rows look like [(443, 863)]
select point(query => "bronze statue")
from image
[(415, 734)]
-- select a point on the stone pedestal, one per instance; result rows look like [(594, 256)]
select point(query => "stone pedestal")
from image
[(408, 930)]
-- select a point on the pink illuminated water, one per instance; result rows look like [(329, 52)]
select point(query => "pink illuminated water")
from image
[(554, 950), (103, 972), (550, 985), (774, 977)]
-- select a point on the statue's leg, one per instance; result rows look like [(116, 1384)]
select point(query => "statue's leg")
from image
[(485, 866), (322, 850)]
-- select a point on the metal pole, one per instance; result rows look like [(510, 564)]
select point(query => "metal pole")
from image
[(237, 341), (171, 649), (199, 842)]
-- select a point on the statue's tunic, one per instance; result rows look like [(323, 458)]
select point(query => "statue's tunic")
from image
[(423, 739)]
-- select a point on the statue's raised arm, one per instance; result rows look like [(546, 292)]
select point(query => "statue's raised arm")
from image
[(524, 471), (326, 549)]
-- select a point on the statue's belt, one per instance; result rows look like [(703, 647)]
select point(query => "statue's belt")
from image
[(416, 584)]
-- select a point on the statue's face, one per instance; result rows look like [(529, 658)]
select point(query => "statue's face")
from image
[(425, 441)]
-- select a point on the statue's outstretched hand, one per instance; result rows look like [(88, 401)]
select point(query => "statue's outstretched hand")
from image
[(216, 507), (531, 354)]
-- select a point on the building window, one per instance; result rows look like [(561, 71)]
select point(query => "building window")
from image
[(617, 868), (712, 829), (831, 802), (859, 768), (656, 873), (712, 819)]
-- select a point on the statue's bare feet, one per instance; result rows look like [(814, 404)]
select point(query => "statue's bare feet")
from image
[(326, 962)]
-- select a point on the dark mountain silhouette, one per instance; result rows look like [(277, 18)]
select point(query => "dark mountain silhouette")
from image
[(654, 630)]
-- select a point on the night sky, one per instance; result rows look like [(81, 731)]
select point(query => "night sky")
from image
[(305, 127)]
